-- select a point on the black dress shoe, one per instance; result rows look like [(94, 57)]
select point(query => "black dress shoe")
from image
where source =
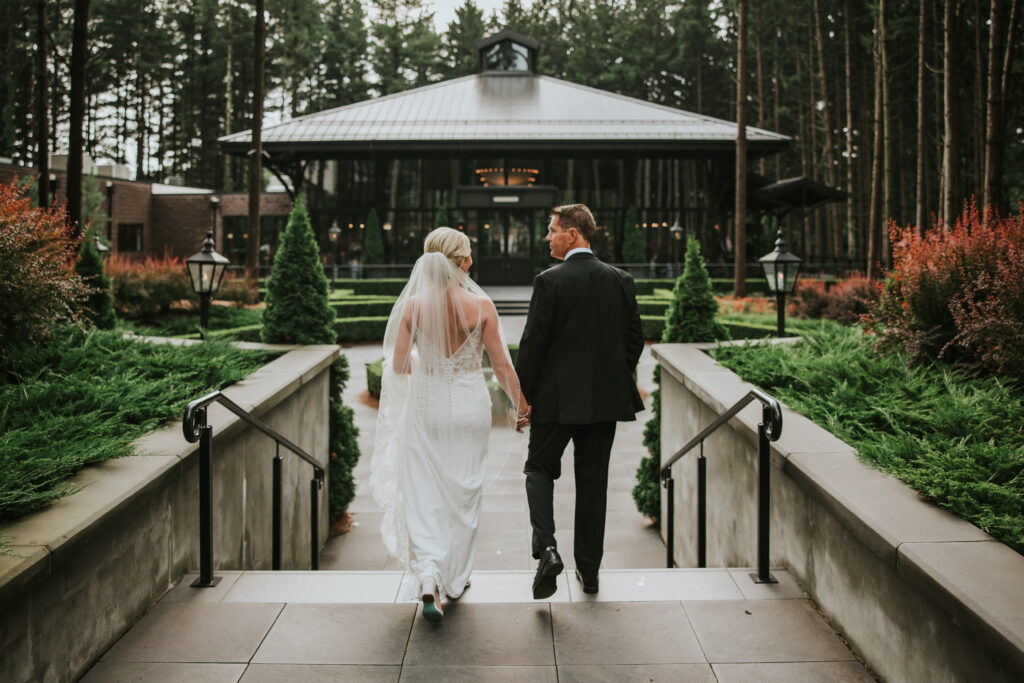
[(550, 566), (589, 582)]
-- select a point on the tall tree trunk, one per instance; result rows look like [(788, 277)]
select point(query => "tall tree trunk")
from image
[(229, 73), (760, 93), (79, 56), (740, 248), (951, 128), (252, 252), (851, 230), (140, 123), (42, 120), (875, 208), (888, 146), (812, 115), (836, 236), (995, 121), (919, 208)]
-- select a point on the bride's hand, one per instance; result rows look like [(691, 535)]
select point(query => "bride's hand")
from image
[(523, 419)]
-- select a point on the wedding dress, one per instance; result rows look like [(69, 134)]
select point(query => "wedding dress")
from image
[(433, 425)]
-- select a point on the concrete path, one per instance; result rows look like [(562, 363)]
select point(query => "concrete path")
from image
[(345, 623)]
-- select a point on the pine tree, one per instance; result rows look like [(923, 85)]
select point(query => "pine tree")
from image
[(633, 248), (690, 318), (373, 245), (441, 216), (99, 307), (297, 311)]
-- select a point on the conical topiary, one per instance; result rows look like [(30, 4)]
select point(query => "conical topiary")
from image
[(297, 311), (441, 216), (690, 318), (373, 243), (634, 250), (100, 304)]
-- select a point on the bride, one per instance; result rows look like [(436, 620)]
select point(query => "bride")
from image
[(435, 419)]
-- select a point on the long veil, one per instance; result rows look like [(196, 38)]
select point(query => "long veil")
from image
[(439, 308)]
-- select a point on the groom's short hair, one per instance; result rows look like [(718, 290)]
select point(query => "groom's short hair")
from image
[(576, 216)]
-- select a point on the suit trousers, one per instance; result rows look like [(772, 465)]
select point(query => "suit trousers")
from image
[(592, 445)]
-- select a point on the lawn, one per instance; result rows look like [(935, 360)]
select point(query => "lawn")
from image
[(955, 439)]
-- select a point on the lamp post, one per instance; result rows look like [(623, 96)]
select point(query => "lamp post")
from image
[(334, 235), (677, 237), (214, 205), (205, 271), (104, 250), (110, 210), (781, 269)]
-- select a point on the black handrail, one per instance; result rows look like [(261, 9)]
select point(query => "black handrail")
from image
[(195, 428), (769, 429)]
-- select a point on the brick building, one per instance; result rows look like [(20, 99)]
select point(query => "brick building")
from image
[(146, 219)]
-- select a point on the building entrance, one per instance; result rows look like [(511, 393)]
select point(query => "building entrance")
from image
[(508, 244)]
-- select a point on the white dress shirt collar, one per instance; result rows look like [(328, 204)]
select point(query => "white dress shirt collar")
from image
[(578, 250)]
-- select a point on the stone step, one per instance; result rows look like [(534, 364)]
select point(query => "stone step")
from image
[(512, 307), (617, 585)]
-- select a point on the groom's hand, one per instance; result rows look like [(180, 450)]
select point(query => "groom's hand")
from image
[(523, 419)]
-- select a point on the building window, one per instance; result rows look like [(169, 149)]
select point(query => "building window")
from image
[(507, 56), (129, 236)]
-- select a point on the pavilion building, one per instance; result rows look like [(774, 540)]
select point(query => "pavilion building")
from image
[(492, 152)]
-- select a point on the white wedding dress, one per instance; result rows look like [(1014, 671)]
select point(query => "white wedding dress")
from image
[(430, 453)]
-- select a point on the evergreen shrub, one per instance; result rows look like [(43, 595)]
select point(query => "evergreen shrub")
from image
[(374, 372), (360, 329), (297, 312), (634, 249), (148, 288), (99, 308), (808, 299), (850, 299), (691, 318), (373, 286), (38, 287), (953, 438), (373, 241), (362, 308), (957, 294)]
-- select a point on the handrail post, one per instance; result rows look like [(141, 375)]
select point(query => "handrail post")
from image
[(206, 578), (314, 519), (670, 529), (702, 509), (763, 497), (276, 514)]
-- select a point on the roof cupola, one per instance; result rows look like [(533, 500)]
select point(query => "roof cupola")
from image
[(507, 53)]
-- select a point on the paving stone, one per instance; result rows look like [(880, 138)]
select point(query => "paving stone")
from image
[(324, 587), (764, 631), (195, 633), (184, 592), (484, 635), (800, 672), (337, 634), (321, 673), (653, 585), (637, 673), (624, 633), (786, 588), (473, 674), (120, 672)]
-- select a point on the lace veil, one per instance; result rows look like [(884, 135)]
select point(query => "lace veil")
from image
[(433, 335)]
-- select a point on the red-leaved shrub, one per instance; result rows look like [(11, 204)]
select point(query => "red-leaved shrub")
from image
[(851, 299), (39, 287), (808, 299), (957, 294), (146, 288)]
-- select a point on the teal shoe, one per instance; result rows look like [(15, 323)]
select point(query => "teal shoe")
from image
[(432, 611)]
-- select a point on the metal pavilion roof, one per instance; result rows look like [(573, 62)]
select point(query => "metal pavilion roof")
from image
[(483, 109)]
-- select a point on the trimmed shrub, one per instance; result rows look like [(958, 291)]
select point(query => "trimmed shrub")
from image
[(653, 306), (957, 294), (634, 250), (373, 244), (808, 299), (238, 291), (851, 299), (344, 446), (374, 371), (148, 288), (647, 286), (297, 310), (690, 318), (359, 309), (366, 328), (100, 305), (373, 286), (653, 325), (38, 287)]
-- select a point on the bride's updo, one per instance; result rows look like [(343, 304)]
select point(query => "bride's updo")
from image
[(452, 243)]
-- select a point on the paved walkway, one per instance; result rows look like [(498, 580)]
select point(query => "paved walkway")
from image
[(345, 623)]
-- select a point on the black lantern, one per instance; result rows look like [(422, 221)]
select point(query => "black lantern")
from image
[(781, 269), (101, 248), (334, 235), (205, 271)]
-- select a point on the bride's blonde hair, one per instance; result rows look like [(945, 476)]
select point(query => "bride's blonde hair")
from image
[(452, 243)]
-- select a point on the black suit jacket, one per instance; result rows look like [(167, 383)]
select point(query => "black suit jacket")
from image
[(581, 344)]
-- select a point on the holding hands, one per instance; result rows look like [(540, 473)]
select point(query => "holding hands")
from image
[(523, 417)]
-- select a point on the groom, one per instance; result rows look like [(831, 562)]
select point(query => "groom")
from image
[(576, 360)]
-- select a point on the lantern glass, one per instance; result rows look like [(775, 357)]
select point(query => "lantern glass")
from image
[(206, 268)]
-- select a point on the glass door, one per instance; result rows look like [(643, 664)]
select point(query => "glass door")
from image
[(505, 246)]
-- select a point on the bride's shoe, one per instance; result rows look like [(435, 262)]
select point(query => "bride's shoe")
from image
[(432, 611)]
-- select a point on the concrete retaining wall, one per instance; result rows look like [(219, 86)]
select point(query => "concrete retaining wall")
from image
[(919, 593), (90, 564)]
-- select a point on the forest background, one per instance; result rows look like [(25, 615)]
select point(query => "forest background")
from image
[(910, 105)]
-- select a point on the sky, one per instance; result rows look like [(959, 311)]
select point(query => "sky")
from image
[(445, 10)]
